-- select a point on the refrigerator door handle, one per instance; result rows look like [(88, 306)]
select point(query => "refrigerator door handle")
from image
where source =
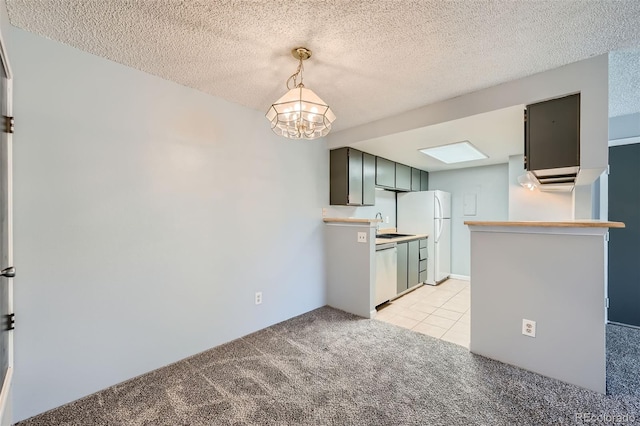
[(441, 225), (440, 212)]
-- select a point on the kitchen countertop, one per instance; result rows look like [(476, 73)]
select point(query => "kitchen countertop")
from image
[(559, 224), (400, 239)]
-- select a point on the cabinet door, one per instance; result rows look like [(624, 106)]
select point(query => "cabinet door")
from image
[(385, 173), (402, 267), (355, 177), (424, 180), (345, 177), (413, 261), (415, 179), (339, 177), (368, 179), (553, 133), (403, 177)]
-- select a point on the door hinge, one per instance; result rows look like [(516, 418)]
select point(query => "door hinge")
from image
[(9, 272), (10, 321), (8, 124), (606, 303)]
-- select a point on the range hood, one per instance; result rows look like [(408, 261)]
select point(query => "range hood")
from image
[(561, 179)]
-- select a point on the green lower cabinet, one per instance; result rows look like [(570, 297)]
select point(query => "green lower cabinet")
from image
[(402, 266), (413, 277), (422, 260), (409, 265)]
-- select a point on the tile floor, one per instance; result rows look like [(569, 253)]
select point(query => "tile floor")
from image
[(440, 311)]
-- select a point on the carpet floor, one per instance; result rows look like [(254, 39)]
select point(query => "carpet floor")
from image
[(327, 367)]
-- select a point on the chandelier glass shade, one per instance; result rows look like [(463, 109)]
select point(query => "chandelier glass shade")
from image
[(300, 113)]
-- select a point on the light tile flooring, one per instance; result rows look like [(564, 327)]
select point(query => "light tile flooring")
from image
[(440, 311)]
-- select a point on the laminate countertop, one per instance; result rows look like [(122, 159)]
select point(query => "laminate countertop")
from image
[(559, 224), (400, 239)]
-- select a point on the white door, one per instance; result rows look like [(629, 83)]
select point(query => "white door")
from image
[(6, 239)]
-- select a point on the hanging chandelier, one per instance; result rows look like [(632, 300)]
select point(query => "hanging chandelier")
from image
[(300, 113)]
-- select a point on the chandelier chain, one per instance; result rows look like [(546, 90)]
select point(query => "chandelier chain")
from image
[(295, 76)]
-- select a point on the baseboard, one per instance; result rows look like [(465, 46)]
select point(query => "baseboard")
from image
[(460, 277), (623, 325)]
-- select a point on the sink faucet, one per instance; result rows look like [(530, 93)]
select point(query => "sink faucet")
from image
[(378, 223)]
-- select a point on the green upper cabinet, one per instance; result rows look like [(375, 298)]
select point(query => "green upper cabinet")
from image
[(351, 174), (385, 173), (368, 179), (354, 176), (424, 180), (403, 177), (415, 179)]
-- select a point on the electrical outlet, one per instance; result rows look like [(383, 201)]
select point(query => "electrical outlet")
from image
[(529, 328), (258, 298), (362, 237), (386, 219), (324, 212)]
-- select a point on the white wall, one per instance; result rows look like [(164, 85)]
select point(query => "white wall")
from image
[(489, 184), (624, 126), (535, 205), (147, 215)]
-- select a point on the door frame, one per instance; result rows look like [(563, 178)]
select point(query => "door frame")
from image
[(634, 140), (6, 79)]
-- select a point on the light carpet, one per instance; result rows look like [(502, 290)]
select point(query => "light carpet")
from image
[(327, 367)]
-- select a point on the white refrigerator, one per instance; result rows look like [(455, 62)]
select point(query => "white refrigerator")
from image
[(429, 212)]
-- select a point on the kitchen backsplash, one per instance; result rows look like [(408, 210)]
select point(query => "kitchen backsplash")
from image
[(385, 204)]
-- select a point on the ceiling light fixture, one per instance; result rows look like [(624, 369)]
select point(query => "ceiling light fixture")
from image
[(455, 152), (300, 113)]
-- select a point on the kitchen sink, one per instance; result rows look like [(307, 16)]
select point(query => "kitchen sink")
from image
[(389, 236)]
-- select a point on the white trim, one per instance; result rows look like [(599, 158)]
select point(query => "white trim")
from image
[(624, 141), (5, 59), (460, 277), (623, 325), (551, 230), (6, 80), (5, 407)]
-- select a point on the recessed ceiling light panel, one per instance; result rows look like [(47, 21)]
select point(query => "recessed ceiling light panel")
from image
[(458, 152)]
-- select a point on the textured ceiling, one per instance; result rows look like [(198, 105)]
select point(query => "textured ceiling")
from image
[(371, 59), (498, 134)]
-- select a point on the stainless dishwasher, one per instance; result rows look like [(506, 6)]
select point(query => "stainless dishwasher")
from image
[(386, 272)]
